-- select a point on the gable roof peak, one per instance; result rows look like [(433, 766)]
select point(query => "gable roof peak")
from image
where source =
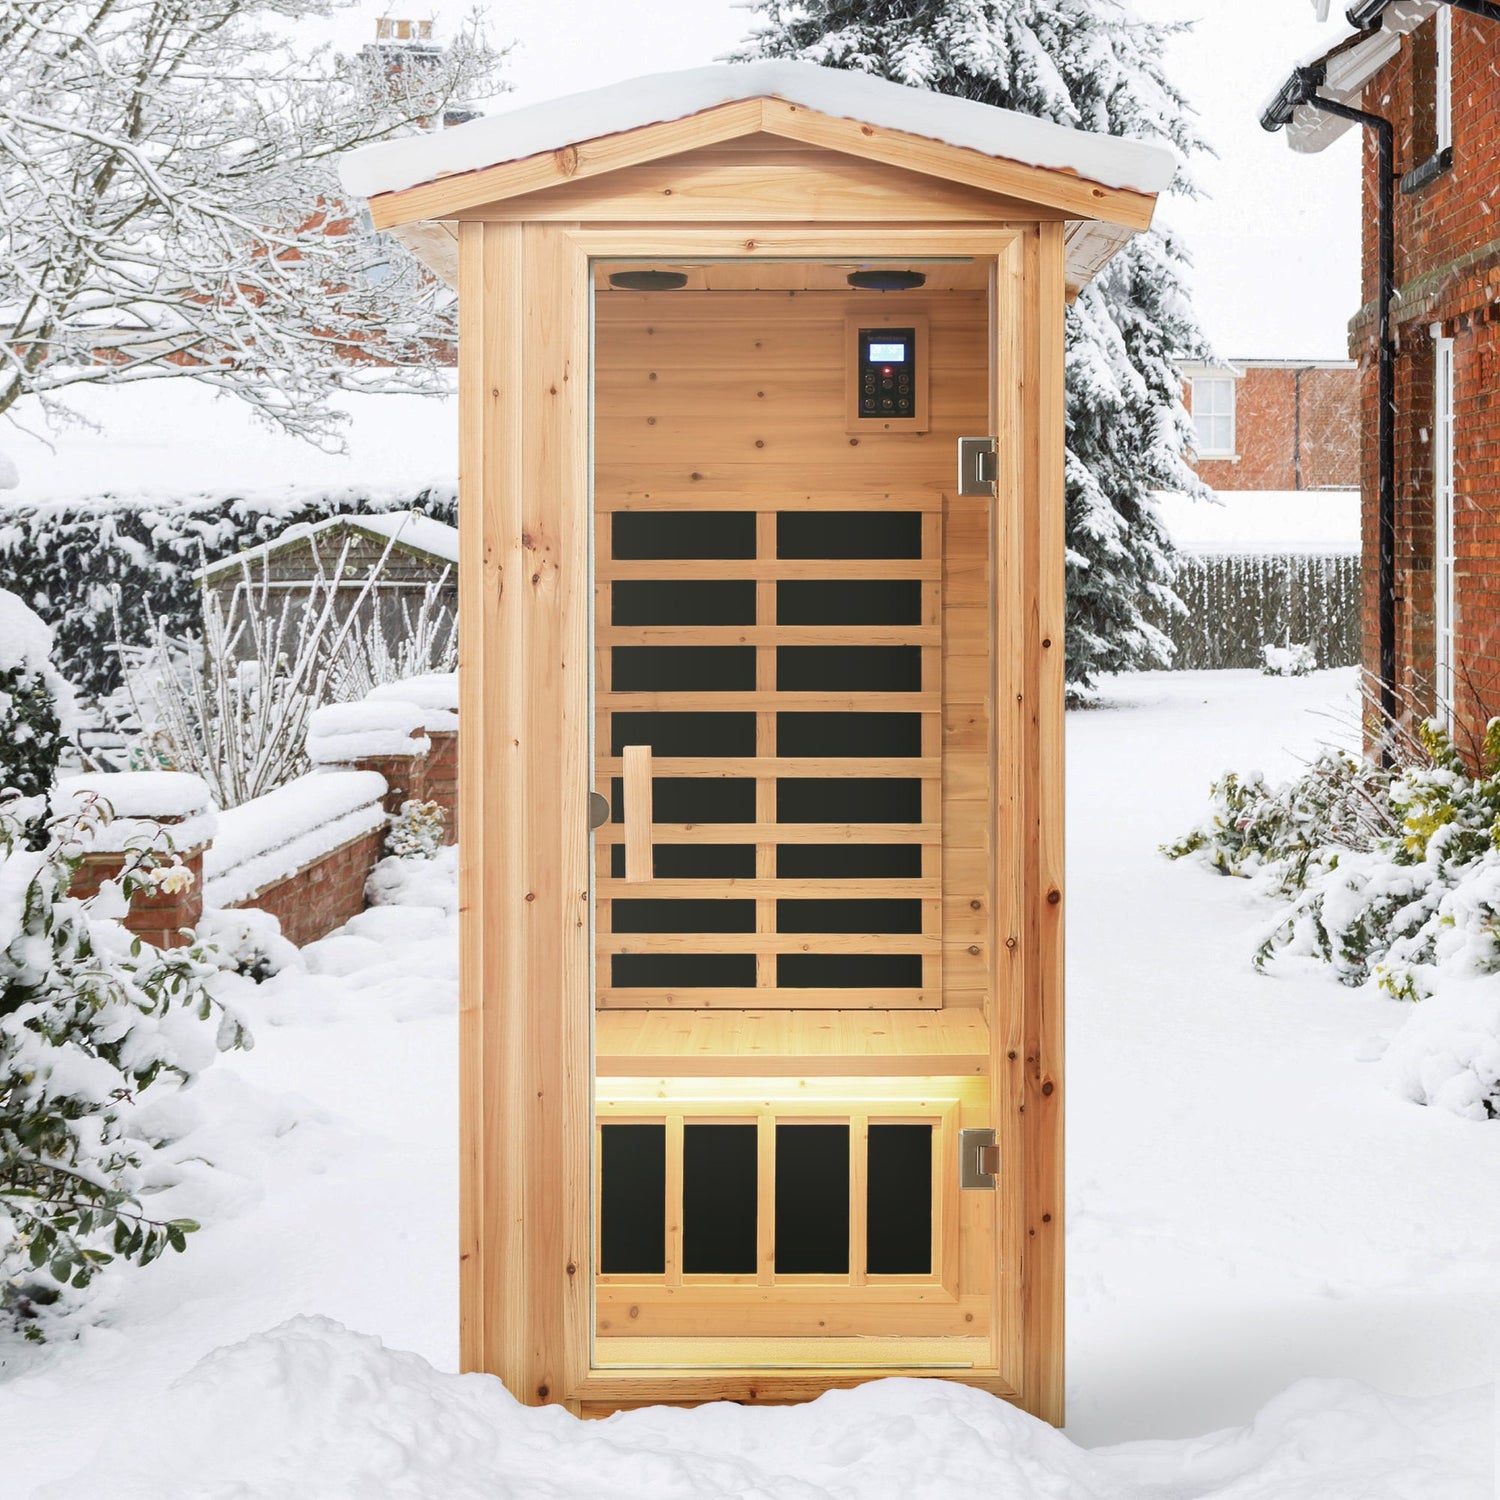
[(557, 124)]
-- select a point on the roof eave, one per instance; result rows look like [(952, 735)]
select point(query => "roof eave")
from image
[(1051, 187)]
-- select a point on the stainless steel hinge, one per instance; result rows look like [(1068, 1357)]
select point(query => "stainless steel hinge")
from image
[(978, 1159), (978, 466)]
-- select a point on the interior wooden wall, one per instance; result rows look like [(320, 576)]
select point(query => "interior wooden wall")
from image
[(710, 399)]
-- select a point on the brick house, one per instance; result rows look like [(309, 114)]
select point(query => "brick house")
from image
[(1424, 76), (1275, 424)]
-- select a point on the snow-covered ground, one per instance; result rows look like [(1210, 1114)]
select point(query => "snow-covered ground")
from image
[(1249, 1207)]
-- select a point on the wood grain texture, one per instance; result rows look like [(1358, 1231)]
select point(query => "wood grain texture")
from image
[(941, 164), (990, 751), (679, 381), (712, 183), (525, 954), (1044, 1039), (635, 769)]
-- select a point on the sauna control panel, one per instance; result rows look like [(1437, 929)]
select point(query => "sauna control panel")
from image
[(887, 372), (888, 375)]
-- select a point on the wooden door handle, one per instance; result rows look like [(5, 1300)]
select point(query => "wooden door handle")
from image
[(638, 812)]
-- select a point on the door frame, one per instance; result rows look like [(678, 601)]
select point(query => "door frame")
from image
[(526, 946)]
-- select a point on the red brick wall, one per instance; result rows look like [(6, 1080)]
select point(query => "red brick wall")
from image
[(155, 917), (1330, 429), (1296, 428), (1447, 274), (422, 778), (442, 778), (324, 894)]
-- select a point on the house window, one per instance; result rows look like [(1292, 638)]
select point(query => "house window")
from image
[(1213, 415), (1444, 592), (1443, 91), (1432, 112)]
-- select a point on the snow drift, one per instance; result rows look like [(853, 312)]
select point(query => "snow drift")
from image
[(311, 1408)]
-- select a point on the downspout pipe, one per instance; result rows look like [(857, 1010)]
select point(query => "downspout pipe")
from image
[(1299, 89)]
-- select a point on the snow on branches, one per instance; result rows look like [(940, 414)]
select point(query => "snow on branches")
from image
[(169, 195)]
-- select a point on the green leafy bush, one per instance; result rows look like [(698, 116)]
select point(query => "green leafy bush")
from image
[(1287, 832), (1391, 875), (94, 1026)]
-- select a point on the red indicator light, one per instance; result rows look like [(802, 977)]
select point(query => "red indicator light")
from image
[(885, 370)]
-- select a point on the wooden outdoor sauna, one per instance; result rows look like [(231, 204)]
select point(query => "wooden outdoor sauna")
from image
[(761, 1077)]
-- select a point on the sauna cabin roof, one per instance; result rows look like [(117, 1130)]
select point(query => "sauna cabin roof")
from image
[(558, 124)]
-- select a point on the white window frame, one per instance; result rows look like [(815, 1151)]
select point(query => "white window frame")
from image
[(1444, 573), (1443, 93), (1208, 385)]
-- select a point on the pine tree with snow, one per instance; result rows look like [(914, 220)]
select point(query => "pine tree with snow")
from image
[(169, 203), (1094, 65)]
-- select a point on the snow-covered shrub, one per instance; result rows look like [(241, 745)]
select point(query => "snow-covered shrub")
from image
[(80, 563), (1421, 900), (1288, 661), (95, 1027), (33, 701), (245, 941), (416, 831), (1338, 803), (1394, 881), (416, 882)]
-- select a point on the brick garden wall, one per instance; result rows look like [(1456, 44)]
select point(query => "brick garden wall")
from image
[(324, 891), (322, 895), (156, 917), (1448, 275)]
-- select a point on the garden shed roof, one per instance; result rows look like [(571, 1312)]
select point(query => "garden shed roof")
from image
[(405, 530)]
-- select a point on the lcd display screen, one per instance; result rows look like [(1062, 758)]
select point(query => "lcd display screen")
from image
[(888, 354)]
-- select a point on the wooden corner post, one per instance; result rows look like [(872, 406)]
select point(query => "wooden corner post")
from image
[(524, 488), (1027, 1018)]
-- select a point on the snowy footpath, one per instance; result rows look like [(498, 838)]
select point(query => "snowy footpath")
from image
[(1265, 1246)]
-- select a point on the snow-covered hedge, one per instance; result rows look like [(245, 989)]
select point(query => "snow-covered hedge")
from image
[(72, 561), (1393, 880), (34, 702)]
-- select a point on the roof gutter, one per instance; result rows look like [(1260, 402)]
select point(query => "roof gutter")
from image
[(1301, 88), (1367, 15)]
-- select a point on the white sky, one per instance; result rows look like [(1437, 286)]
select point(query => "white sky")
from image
[(1275, 243)]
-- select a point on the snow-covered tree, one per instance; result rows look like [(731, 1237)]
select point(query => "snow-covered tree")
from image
[(1096, 65), (169, 204)]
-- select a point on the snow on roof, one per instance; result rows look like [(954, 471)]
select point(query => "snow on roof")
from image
[(1114, 161), (1352, 58), (403, 528), (1263, 522), (411, 529)]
